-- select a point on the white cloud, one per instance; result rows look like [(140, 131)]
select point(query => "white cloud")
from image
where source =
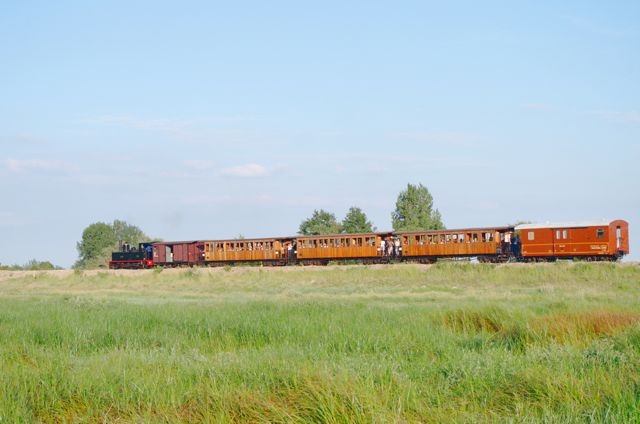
[(450, 138), (200, 131), (11, 219), (541, 107), (23, 139), (631, 117), (628, 117), (169, 125), (251, 170), (259, 199), (591, 26), (199, 165), (46, 165)]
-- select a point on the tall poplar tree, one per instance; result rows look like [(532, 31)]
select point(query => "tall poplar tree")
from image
[(414, 210)]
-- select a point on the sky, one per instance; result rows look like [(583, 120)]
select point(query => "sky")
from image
[(209, 120)]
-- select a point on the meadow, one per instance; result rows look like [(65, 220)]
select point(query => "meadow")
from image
[(451, 342)]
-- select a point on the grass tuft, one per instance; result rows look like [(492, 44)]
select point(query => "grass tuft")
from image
[(584, 326)]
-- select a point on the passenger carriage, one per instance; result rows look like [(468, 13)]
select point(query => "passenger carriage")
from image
[(491, 244), (322, 249), (267, 251)]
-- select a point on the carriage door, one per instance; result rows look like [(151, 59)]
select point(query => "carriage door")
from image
[(560, 241), (618, 237)]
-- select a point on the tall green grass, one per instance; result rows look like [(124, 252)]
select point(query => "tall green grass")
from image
[(451, 342)]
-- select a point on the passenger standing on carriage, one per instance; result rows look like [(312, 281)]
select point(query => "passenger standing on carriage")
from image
[(515, 247), (383, 249)]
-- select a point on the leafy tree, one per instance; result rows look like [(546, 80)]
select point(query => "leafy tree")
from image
[(35, 265), (100, 239), (322, 222), (131, 234), (356, 222), (96, 239), (414, 210)]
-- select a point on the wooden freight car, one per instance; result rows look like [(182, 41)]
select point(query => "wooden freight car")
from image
[(589, 240), (178, 253), (487, 244)]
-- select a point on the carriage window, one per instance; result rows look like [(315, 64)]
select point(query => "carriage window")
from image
[(557, 234), (564, 234), (600, 233), (531, 235)]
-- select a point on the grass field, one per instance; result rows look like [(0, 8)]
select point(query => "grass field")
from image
[(452, 342)]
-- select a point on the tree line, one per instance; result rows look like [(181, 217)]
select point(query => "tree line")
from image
[(414, 211), (32, 265)]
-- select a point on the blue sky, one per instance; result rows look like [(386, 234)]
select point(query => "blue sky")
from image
[(201, 120)]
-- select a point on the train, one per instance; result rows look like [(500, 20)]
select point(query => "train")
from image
[(606, 240)]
